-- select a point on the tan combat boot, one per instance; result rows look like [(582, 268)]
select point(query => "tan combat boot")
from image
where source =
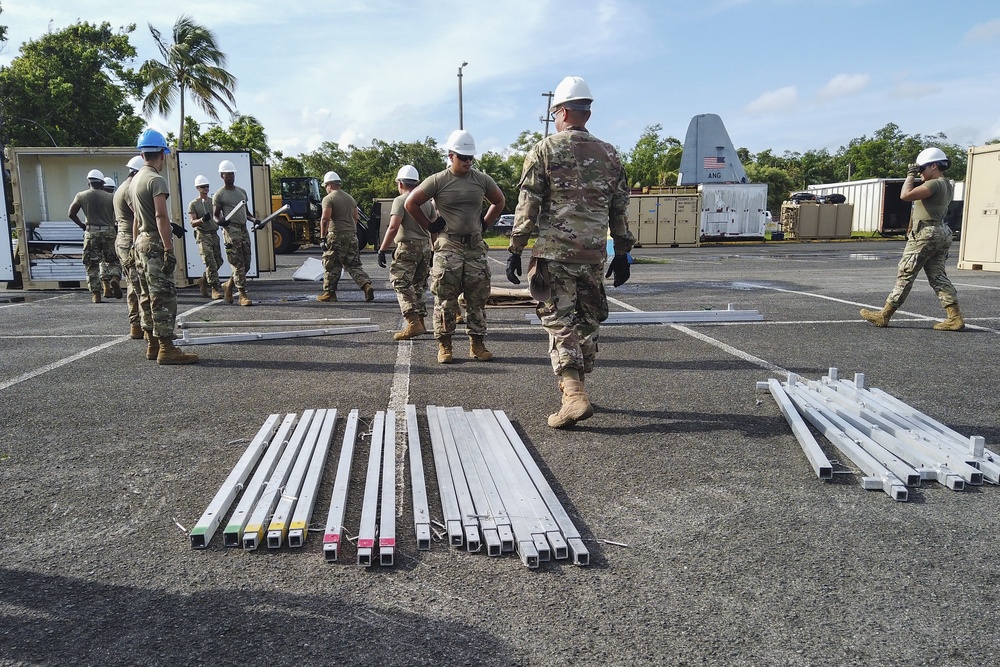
[(444, 350), (95, 297), (477, 349), (879, 318), (106, 289), (327, 296), (171, 355), (203, 287), (116, 288), (227, 290), (245, 298), (152, 346), (135, 332), (955, 322), (575, 403), (414, 327), (217, 292), (369, 292)]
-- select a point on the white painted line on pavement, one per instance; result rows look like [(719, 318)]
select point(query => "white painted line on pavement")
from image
[(746, 356), (398, 397)]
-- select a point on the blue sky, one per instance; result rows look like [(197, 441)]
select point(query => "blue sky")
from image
[(783, 74)]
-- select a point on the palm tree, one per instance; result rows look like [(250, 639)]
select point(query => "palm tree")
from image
[(193, 63)]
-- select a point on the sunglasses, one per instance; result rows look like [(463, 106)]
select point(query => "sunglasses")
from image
[(463, 158), (203, 186)]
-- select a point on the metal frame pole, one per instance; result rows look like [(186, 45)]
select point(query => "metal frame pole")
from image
[(817, 459), (366, 531), (450, 510), (334, 532), (204, 529), (273, 335), (421, 513), (387, 514), (298, 529), (466, 505)]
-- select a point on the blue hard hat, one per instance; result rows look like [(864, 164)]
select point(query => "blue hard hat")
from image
[(151, 139)]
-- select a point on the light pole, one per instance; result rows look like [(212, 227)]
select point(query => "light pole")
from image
[(460, 94), (547, 118)]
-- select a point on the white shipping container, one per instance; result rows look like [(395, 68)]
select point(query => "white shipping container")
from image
[(733, 210), (980, 244)]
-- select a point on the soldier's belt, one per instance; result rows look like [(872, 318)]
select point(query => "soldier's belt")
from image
[(467, 239)]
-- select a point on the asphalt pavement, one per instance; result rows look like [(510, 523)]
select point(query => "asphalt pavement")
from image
[(712, 541)]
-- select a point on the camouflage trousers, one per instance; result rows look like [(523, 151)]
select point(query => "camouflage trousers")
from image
[(926, 249), (158, 297), (238, 253), (211, 254), (342, 251), (123, 247), (573, 313), (459, 269), (408, 273), (99, 256)]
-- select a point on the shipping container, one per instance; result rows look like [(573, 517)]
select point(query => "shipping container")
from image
[(670, 217), (877, 206), (733, 211), (980, 245), (6, 232)]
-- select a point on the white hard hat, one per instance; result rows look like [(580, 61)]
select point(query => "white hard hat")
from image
[(932, 154), (110, 182), (572, 89), (331, 177), (135, 164), (227, 167), (95, 175), (407, 173), (200, 180), (461, 142)]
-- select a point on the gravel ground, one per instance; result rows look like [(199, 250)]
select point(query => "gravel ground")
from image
[(736, 553)]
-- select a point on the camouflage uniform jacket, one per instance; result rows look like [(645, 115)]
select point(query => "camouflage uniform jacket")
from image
[(573, 187)]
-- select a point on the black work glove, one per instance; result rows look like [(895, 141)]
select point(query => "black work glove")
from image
[(169, 262), (322, 245), (206, 217), (619, 266), (482, 222), (514, 268), (381, 258), (177, 230), (223, 223), (437, 226), (913, 169)]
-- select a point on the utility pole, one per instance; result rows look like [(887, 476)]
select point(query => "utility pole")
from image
[(547, 118), (460, 126)]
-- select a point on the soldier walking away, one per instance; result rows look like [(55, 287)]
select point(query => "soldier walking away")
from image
[(338, 229), (206, 233), (411, 260), (573, 189), (459, 251), (154, 252), (927, 241), (103, 269), (230, 202), (123, 247)]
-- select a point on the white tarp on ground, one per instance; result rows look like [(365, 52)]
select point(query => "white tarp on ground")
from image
[(311, 269)]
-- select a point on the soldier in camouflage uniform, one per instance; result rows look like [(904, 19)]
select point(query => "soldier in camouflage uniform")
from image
[(154, 252), (573, 189), (103, 269), (338, 227), (459, 250), (227, 200), (411, 261), (206, 233), (123, 246)]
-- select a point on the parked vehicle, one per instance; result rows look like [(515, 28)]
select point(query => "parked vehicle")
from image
[(504, 224)]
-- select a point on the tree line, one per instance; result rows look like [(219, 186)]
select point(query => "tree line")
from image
[(76, 87)]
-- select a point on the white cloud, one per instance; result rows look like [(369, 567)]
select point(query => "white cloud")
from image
[(983, 32), (843, 85), (775, 101)]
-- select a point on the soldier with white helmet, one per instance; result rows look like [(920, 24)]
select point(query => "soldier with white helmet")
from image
[(927, 241), (232, 199), (103, 268), (206, 233), (154, 252), (338, 229), (411, 260), (459, 250), (109, 185), (123, 247), (574, 191)]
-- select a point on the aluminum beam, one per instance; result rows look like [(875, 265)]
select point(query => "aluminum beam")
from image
[(298, 528), (817, 459), (334, 532), (446, 487), (421, 512), (366, 531), (204, 529), (672, 316), (387, 516), (233, 533), (277, 529), (466, 506), (272, 335), (253, 533), (325, 321)]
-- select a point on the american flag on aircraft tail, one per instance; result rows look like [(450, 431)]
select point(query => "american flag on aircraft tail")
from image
[(715, 163)]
